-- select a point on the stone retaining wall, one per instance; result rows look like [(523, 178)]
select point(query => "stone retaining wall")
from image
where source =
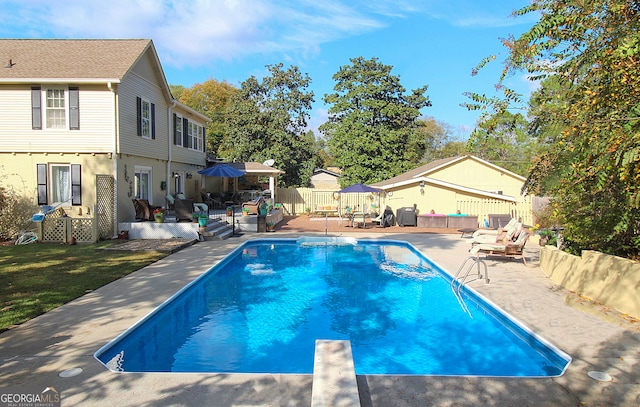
[(611, 280)]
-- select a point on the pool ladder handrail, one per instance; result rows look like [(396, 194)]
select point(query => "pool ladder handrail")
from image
[(461, 280), (461, 277)]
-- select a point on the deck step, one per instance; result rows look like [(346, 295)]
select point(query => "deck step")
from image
[(216, 230)]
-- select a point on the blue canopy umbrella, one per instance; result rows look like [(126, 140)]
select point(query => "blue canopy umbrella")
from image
[(222, 170), (358, 188), (225, 171)]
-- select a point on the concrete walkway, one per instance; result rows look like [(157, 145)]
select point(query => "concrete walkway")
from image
[(35, 353)]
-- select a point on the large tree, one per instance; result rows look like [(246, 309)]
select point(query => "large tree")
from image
[(587, 54), (439, 141), (503, 140), (372, 131), (267, 119), (212, 98)]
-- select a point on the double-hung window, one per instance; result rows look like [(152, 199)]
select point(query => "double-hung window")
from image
[(56, 108), (178, 130), (187, 134), (146, 113), (195, 136), (59, 184)]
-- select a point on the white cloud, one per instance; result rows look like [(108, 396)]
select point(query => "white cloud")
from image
[(198, 32)]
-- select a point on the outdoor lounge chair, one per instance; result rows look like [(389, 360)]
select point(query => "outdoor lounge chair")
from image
[(510, 232), (479, 232), (511, 249), (253, 205), (184, 209), (144, 211)]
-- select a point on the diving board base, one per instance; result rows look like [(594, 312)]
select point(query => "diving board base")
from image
[(334, 375)]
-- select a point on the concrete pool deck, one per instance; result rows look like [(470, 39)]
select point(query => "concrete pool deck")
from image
[(35, 353)]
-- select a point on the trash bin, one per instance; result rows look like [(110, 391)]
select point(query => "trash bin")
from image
[(406, 217)]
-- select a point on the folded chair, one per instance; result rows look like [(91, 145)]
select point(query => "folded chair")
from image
[(508, 248), (511, 231)]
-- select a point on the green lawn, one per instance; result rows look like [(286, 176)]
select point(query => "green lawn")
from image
[(39, 277)]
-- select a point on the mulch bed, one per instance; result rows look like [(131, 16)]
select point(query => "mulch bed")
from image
[(158, 245)]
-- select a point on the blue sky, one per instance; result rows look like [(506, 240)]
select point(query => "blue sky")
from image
[(436, 43)]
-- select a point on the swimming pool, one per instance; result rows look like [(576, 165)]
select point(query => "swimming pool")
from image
[(261, 309)]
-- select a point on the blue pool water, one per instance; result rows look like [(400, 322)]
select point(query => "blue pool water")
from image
[(262, 308)]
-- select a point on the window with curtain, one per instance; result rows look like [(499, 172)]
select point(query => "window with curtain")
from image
[(60, 183), (143, 183)]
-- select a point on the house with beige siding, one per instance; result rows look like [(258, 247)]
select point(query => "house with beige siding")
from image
[(459, 185), (88, 125)]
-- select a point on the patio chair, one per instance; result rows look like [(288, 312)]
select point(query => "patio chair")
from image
[(184, 208), (253, 206), (512, 222), (510, 232), (144, 211), (510, 249)]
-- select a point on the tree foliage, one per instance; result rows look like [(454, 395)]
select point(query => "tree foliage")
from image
[(503, 140), (372, 131), (587, 55), (266, 119), (211, 98), (439, 140)]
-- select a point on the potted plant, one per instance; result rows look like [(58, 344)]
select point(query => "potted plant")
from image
[(271, 227), (158, 214), (229, 210), (245, 211), (203, 220), (307, 210)]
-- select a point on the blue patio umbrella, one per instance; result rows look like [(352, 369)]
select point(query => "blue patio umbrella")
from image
[(359, 188), (222, 170), (355, 188)]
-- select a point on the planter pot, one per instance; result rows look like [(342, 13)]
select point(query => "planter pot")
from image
[(245, 213), (159, 217), (203, 221), (271, 228)]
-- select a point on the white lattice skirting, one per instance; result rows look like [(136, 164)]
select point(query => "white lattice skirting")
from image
[(168, 230)]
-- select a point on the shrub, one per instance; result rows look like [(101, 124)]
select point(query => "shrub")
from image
[(15, 214)]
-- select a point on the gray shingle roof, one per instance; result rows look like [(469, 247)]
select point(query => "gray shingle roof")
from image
[(69, 59)]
